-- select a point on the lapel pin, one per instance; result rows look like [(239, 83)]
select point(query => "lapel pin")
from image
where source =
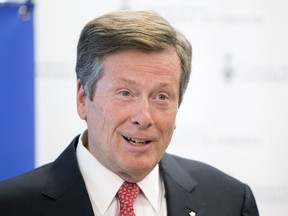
[(192, 213)]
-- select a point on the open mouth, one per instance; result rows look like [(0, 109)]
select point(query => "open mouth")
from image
[(137, 141)]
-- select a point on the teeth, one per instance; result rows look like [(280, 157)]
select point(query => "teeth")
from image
[(137, 141)]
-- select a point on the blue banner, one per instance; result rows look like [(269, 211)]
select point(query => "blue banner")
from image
[(16, 89)]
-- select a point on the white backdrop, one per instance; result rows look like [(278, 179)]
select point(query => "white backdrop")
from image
[(234, 115)]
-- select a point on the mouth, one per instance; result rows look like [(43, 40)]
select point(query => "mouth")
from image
[(136, 141)]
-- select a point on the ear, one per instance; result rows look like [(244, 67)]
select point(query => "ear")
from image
[(81, 100)]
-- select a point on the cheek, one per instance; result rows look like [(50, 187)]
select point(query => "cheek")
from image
[(96, 117), (167, 126), (169, 133), (107, 119)]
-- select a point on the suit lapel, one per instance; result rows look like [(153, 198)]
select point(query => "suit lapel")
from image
[(65, 186), (179, 187)]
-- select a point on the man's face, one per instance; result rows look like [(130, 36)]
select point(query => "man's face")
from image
[(131, 118)]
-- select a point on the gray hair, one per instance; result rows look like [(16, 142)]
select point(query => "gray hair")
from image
[(141, 30)]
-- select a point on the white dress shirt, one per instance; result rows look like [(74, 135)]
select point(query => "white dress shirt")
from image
[(102, 186)]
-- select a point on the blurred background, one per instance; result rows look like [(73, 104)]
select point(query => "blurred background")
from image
[(234, 115)]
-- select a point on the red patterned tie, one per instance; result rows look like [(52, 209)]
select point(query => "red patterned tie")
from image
[(127, 195)]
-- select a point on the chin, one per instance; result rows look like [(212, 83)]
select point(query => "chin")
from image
[(139, 168)]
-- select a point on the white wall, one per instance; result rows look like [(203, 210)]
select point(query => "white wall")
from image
[(238, 124)]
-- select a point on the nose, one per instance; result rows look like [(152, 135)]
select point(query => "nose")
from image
[(142, 115)]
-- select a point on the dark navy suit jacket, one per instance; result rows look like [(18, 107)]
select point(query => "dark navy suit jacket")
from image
[(58, 189)]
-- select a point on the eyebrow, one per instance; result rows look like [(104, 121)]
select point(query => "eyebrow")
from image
[(132, 82), (129, 81)]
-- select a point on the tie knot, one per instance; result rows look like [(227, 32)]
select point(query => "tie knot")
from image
[(127, 195)]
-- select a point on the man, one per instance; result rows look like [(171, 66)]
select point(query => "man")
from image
[(132, 71)]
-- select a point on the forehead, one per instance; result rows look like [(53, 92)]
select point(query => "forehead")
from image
[(138, 62)]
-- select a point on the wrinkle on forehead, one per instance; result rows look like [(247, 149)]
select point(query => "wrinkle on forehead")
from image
[(155, 63)]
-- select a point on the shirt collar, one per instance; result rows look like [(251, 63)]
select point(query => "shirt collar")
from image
[(150, 186), (102, 184)]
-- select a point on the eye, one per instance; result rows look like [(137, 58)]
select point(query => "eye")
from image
[(162, 97), (125, 93)]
